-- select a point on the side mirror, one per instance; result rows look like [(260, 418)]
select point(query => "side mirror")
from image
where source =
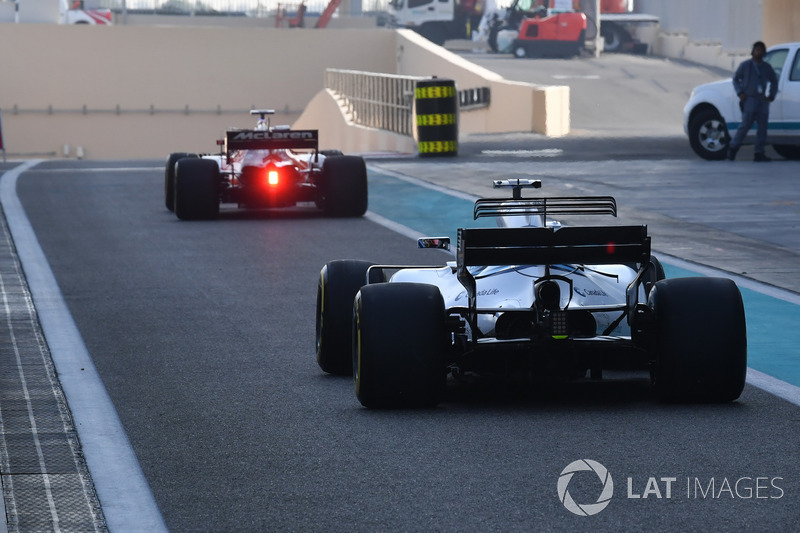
[(442, 243)]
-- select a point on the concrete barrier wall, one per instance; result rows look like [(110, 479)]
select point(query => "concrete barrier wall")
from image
[(515, 106), (128, 91), (218, 73)]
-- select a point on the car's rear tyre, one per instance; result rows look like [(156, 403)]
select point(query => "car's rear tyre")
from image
[(787, 151), (700, 339), (169, 178), (196, 189), (399, 343), (339, 281), (344, 186), (708, 135)]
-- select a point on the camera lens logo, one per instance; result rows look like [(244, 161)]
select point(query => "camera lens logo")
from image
[(585, 509)]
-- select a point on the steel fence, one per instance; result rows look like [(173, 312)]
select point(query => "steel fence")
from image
[(382, 101)]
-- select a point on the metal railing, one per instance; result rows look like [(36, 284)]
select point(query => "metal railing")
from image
[(382, 101), (385, 101)]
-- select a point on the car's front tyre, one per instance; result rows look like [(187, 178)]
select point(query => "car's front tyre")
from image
[(169, 177), (708, 135), (339, 281)]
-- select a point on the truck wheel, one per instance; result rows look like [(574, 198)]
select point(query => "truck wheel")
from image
[(399, 338), (196, 189), (708, 135), (169, 178), (339, 281), (788, 151), (614, 37), (520, 51), (700, 339), (344, 186)]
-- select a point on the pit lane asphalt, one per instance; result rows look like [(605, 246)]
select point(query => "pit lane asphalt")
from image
[(203, 336)]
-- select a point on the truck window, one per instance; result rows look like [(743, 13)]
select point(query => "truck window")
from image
[(417, 3), (794, 75), (777, 58)]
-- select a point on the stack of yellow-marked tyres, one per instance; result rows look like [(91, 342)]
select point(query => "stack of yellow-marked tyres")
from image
[(436, 102)]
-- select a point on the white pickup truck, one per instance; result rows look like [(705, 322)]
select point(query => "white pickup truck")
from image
[(712, 113)]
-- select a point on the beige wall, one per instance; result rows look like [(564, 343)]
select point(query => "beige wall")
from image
[(179, 88), (781, 21), (169, 68)]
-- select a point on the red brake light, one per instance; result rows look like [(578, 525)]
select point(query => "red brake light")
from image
[(272, 177)]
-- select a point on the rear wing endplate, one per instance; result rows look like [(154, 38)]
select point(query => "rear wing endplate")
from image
[(272, 140)]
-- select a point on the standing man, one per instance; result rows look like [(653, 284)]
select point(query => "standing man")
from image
[(756, 84)]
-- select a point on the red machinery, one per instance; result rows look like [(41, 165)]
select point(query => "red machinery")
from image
[(551, 35)]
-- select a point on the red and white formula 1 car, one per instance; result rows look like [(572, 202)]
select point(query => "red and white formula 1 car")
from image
[(265, 167)]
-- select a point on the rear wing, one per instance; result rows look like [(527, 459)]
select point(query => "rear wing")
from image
[(582, 245), (585, 245), (564, 205), (272, 140)]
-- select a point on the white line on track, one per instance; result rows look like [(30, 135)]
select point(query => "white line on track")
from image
[(770, 384), (127, 501), (103, 170)]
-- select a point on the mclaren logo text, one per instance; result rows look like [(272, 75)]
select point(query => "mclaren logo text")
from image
[(272, 135)]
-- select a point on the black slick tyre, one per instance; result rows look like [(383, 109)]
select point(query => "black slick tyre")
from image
[(699, 339), (169, 177), (708, 135), (196, 189), (399, 343), (344, 186), (339, 281)]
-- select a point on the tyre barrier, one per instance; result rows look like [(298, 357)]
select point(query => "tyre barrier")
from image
[(436, 110)]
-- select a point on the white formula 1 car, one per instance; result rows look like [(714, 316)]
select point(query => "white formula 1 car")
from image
[(530, 297), (263, 168)]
